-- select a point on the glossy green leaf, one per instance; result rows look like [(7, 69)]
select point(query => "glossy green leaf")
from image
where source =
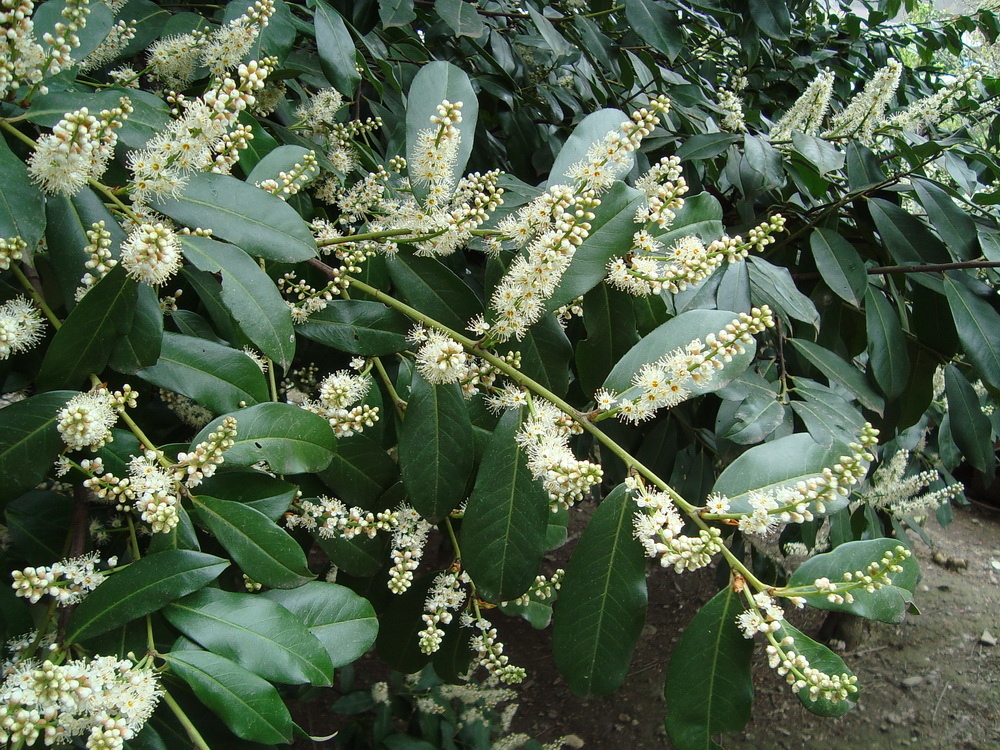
[(656, 25), (249, 706), (545, 354), (822, 154), (436, 448), (906, 238), (433, 83), (140, 588), (344, 622), (248, 294), (37, 522), (434, 289), (602, 602), (676, 333), (270, 495), (839, 371), (461, 17), (259, 546), (776, 465), (610, 237), (840, 265), (823, 659), (888, 360), (886, 604), (396, 12), (701, 216), (953, 224), (705, 146), (22, 206), (590, 131), (256, 633), (361, 557), (970, 428), (863, 167), (549, 34), (87, 337), (256, 221), (774, 286), (336, 49), (260, 146), (708, 687), (753, 418), (503, 534), (978, 326), (771, 17), (140, 347), (290, 439), (829, 418), (398, 636), (358, 327), (215, 376), (611, 332), (30, 441), (360, 472)]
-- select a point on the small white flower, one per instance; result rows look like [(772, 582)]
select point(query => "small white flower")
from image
[(152, 254)]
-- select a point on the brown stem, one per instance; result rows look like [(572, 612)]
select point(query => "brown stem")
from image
[(924, 268)]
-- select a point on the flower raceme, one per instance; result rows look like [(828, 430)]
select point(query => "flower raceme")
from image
[(667, 381)]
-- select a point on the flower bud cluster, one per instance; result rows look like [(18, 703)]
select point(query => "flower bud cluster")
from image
[(229, 44), (305, 298), (113, 45), (21, 326), (11, 251), (798, 673), (876, 575), (667, 381), (519, 299), (105, 699), (807, 113), (292, 181), (902, 495), (228, 147), (795, 503), (544, 437), (658, 526), (663, 187), (66, 581), (925, 112), (650, 269), (452, 218), (611, 157), (408, 541), (436, 151), (78, 149), (489, 653), (25, 61), (86, 420), (201, 463), (192, 141), (152, 254), (363, 198), (864, 111), (542, 589), (99, 248), (731, 108), (337, 392), (318, 112), (331, 518), (446, 595)]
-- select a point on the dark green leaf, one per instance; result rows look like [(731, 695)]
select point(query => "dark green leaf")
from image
[(503, 534), (840, 265), (840, 371), (249, 705), (260, 223), (545, 354), (434, 289), (37, 523), (269, 495), (610, 323), (84, 343), (22, 206), (823, 155), (906, 238), (658, 26), (709, 689), (705, 146), (30, 441), (888, 360), (358, 327), (256, 633), (140, 588), (828, 417), (343, 622), (978, 326), (396, 13), (970, 428), (140, 347), (217, 377), (290, 439), (954, 226), (602, 602), (360, 472), (436, 448), (771, 17), (461, 17), (248, 294), (336, 49), (773, 285), (264, 551)]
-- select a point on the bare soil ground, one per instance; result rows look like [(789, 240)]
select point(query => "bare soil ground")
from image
[(932, 682)]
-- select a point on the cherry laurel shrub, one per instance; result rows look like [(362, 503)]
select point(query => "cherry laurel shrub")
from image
[(292, 290)]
